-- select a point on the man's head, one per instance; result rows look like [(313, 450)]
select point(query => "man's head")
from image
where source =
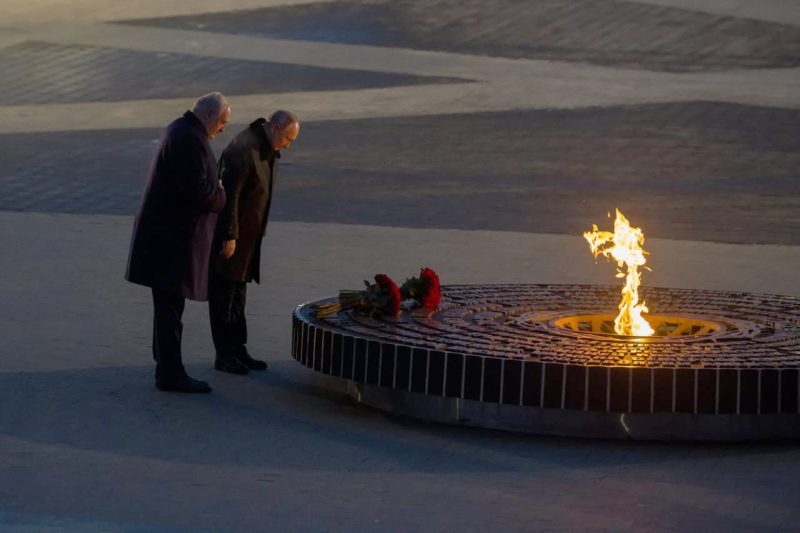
[(283, 129), (214, 112)]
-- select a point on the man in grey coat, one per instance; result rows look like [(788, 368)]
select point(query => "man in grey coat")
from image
[(248, 167), (173, 231)]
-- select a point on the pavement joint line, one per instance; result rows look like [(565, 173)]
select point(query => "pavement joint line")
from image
[(507, 83), (414, 100), (322, 54), (785, 12), (344, 56), (418, 100), (42, 11), (87, 356), (10, 37), (379, 58)]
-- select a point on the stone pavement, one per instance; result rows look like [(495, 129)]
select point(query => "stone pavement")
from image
[(476, 138)]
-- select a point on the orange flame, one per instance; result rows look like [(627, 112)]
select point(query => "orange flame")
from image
[(625, 246)]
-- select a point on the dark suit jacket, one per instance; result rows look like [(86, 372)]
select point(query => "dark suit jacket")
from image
[(248, 166), (173, 231)]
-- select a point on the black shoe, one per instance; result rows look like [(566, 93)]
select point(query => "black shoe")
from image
[(182, 384), (253, 364), (231, 365)]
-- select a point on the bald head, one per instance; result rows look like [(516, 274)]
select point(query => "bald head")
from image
[(284, 127), (283, 118)]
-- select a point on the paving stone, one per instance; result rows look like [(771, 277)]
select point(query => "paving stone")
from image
[(686, 171), (606, 32), (78, 73), (88, 444)]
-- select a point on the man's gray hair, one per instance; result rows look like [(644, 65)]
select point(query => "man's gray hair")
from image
[(281, 119), (210, 106)]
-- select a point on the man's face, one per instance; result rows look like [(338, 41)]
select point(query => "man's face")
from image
[(217, 127), (282, 137)]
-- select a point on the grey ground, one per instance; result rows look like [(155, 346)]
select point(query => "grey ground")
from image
[(478, 138)]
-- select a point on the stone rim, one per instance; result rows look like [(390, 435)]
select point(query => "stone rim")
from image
[(400, 359)]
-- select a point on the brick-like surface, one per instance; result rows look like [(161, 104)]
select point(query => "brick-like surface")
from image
[(754, 331), (685, 171), (79, 73), (501, 328), (88, 444), (607, 32)]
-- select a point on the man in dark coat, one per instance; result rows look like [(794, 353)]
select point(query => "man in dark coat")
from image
[(173, 231), (248, 167)]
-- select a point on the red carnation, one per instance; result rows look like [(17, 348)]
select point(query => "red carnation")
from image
[(431, 293), (384, 297), (391, 292), (424, 290)]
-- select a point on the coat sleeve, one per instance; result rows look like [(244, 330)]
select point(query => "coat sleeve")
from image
[(196, 180), (233, 171)]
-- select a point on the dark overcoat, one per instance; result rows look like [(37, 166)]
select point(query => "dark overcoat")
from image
[(249, 168), (174, 229)]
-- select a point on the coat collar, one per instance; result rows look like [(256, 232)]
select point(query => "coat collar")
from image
[(260, 127), (195, 123)]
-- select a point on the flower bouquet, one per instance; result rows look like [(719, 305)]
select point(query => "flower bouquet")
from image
[(381, 298), (424, 290)]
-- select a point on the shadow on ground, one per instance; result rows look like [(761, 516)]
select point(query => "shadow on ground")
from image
[(284, 418)]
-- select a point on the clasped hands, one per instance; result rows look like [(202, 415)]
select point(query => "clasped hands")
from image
[(228, 247)]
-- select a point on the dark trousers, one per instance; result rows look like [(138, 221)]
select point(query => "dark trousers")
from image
[(167, 332), (226, 300)]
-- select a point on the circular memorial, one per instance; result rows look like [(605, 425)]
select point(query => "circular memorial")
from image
[(546, 359)]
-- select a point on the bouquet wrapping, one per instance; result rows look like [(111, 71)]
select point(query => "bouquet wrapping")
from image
[(381, 298)]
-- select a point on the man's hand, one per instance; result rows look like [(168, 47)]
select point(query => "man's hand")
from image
[(228, 247)]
